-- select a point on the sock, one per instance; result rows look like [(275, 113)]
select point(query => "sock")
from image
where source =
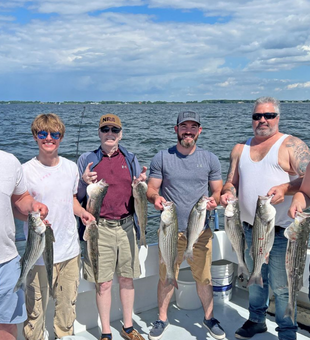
[(128, 330), (109, 336)]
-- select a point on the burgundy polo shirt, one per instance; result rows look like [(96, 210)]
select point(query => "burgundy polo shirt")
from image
[(118, 202)]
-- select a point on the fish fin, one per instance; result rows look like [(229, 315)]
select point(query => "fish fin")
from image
[(256, 279)]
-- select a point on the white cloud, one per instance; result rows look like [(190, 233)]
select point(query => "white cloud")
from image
[(298, 85), (135, 54)]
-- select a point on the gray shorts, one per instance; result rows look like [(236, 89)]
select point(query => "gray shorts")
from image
[(118, 251), (12, 305)]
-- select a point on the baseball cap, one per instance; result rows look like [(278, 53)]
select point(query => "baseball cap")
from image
[(110, 119), (188, 115)]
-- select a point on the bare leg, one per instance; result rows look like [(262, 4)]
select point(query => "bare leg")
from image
[(164, 295), (104, 305), (205, 293), (127, 294), (8, 332)]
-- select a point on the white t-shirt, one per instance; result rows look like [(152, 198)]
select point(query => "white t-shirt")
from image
[(11, 182), (55, 186)]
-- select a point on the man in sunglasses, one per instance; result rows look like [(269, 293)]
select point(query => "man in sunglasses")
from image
[(183, 174), (13, 194), (269, 164), (118, 232), (53, 180)]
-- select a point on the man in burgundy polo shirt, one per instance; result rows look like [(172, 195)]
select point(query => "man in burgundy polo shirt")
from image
[(118, 232)]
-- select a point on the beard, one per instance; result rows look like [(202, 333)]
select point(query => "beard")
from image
[(187, 144), (265, 132)]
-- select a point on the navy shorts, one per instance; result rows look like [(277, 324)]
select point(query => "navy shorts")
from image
[(12, 305)]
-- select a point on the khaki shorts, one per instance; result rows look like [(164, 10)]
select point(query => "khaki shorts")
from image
[(118, 252), (202, 258)]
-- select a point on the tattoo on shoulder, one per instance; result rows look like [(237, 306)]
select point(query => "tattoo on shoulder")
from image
[(301, 153)]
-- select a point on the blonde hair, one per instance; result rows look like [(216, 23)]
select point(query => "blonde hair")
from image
[(49, 122)]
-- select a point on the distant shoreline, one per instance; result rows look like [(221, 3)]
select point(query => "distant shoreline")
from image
[(114, 102)]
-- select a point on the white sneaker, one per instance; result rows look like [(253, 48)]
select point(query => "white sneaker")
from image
[(45, 334)]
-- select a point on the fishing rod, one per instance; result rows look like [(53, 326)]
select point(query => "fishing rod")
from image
[(79, 133)]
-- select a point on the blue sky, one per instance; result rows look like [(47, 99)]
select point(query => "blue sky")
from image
[(173, 50)]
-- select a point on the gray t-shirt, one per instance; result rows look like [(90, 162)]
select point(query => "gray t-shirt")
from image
[(185, 178)]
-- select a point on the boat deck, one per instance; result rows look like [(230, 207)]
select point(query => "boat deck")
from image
[(187, 324)]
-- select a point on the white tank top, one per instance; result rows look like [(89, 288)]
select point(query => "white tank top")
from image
[(257, 178)]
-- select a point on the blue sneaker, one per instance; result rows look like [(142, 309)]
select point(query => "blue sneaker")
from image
[(214, 328), (158, 329)]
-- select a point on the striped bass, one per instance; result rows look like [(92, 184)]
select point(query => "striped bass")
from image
[(196, 224), (168, 241), (48, 256), (297, 234), (234, 231), (91, 235), (96, 192), (262, 237), (140, 201), (34, 247)]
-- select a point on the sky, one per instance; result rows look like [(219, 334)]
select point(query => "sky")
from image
[(149, 50)]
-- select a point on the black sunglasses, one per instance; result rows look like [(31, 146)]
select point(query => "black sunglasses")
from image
[(114, 129), (266, 115)]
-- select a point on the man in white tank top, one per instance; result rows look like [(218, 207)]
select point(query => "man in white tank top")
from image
[(270, 163)]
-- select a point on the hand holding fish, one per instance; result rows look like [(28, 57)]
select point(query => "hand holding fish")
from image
[(142, 177), (278, 193), (86, 217), (211, 204), (40, 207), (89, 176), (225, 198), (298, 204)]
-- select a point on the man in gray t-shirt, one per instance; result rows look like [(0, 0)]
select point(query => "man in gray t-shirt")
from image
[(182, 174)]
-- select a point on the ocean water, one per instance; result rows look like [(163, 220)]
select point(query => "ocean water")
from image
[(146, 130)]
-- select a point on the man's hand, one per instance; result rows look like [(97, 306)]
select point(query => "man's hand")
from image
[(42, 208), (89, 176)]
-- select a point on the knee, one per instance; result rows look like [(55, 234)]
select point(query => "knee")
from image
[(8, 329), (105, 286), (125, 282)]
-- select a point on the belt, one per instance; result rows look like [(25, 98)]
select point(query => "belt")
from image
[(118, 222)]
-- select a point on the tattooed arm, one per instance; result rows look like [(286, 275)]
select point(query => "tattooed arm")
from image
[(294, 156), (230, 188)]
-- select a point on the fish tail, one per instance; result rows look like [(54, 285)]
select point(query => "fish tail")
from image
[(142, 241), (290, 312), (242, 269), (188, 255), (256, 279), (18, 285), (173, 282)]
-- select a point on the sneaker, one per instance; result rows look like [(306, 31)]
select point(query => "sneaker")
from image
[(133, 335), (158, 329), (214, 328), (45, 334), (249, 329), (105, 338)]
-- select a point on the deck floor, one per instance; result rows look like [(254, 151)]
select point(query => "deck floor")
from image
[(187, 324)]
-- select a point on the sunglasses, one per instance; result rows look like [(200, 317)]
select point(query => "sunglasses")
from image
[(43, 134), (114, 129), (266, 115)]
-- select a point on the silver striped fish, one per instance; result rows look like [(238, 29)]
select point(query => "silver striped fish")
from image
[(34, 247), (234, 231), (168, 241), (297, 234), (196, 223), (262, 237)]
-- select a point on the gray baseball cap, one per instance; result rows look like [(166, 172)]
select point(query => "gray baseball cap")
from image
[(188, 116)]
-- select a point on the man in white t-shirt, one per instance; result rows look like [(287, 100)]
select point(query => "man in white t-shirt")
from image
[(53, 180), (13, 193)]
